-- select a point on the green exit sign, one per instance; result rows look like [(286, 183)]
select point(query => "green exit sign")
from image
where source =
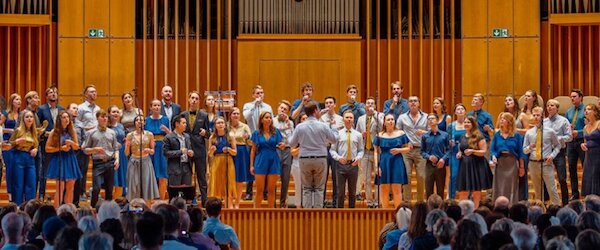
[(500, 33), (96, 33)]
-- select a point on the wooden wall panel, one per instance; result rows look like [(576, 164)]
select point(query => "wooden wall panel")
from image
[(70, 66), (473, 25), (121, 66), (122, 12), (475, 63), (318, 61), (527, 64), (494, 105), (527, 18), (71, 22), (96, 61), (500, 66), (288, 79), (500, 15), (95, 16)]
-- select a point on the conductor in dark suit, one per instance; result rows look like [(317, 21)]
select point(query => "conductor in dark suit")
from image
[(168, 108), (198, 132), (47, 112), (177, 148)]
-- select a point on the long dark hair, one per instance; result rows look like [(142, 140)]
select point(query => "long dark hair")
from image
[(272, 129), (59, 130), (417, 225)]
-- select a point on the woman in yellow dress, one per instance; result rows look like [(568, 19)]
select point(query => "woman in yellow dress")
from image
[(222, 172)]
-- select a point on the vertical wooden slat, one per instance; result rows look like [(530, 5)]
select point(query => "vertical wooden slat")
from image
[(187, 45), (368, 41), (154, 49), (208, 31), (144, 52), (388, 38), (39, 56), (580, 58), (442, 47), (420, 49), (28, 77), (399, 21), (590, 62), (410, 47), (378, 39), (570, 58), (431, 34), (176, 52), (165, 45), (453, 49), (50, 46), (229, 41), (7, 59), (219, 26), (197, 43), (549, 51), (18, 76), (560, 59)]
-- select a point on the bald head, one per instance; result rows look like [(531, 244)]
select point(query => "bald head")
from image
[(502, 201), (12, 227)]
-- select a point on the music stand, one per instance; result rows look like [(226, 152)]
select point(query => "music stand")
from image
[(187, 192)]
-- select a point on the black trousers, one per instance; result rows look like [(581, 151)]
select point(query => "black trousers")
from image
[(560, 163), (199, 160), (103, 174), (83, 160), (574, 153), (346, 173), (434, 176)]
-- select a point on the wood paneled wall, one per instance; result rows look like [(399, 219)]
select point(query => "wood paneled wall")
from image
[(307, 228), (105, 62), (493, 66), (570, 59)]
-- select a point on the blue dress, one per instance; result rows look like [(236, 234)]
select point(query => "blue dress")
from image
[(63, 165), (442, 126), (392, 166), (591, 165), (455, 136), (121, 173), (159, 161), (8, 154), (266, 160)]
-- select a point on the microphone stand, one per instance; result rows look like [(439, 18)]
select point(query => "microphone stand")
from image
[(138, 114), (542, 187), (378, 128)]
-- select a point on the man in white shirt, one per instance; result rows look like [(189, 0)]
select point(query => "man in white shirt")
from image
[(286, 127), (347, 151), (86, 122), (368, 125), (334, 121)]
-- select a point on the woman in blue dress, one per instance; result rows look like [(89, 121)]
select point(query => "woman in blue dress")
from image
[(591, 165), (11, 115), (241, 133), (63, 167), (264, 160), (390, 144), (120, 185), (439, 108), (456, 129), (158, 125)]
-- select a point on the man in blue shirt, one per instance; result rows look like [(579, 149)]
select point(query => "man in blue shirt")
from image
[(299, 104), (215, 229), (396, 105), (576, 117), (484, 119), (435, 148), (357, 108)]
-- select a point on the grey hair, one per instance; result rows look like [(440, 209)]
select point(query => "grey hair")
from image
[(467, 207), (534, 213), (108, 210), (567, 216), (88, 224), (69, 207), (524, 237), (403, 217), (432, 217), (96, 241), (477, 218), (560, 242), (504, 225)]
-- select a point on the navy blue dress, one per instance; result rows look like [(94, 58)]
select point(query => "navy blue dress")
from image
[(121, 173), (392, 166), (266, 160), (159, 161), (63, 165)]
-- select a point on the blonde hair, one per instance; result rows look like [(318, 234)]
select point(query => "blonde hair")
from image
[(510, 119)]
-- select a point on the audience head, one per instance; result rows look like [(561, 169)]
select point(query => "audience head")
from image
[(501, 201), (592, 203), (467, 207), (432, 217), (518, 213), (560, 243), (494, 240), (68, 238), (524, 237), (577, 206), (552, 210), (504, 225), (417, 225), (567, 216), (114, 229), (68, 218), (108, 210), (184, 220), (434, 201), (88, 224), (213, 206), (588, 220), (467, 235), (149, 230), (179, 203), (51, 228), (83, 211), (69, 208), (542, 223), (31, 207), (551, 232), (43, 213), (196, 219), (534, 213), (96, 241), (443, 230), (170, 216), (403, 217), (479, 220), (12, 228), (588, 239), (454, 212)]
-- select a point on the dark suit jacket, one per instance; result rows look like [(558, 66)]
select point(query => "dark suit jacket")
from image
[(194, 130), (44, 114), (172, 150), (176, 110)]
